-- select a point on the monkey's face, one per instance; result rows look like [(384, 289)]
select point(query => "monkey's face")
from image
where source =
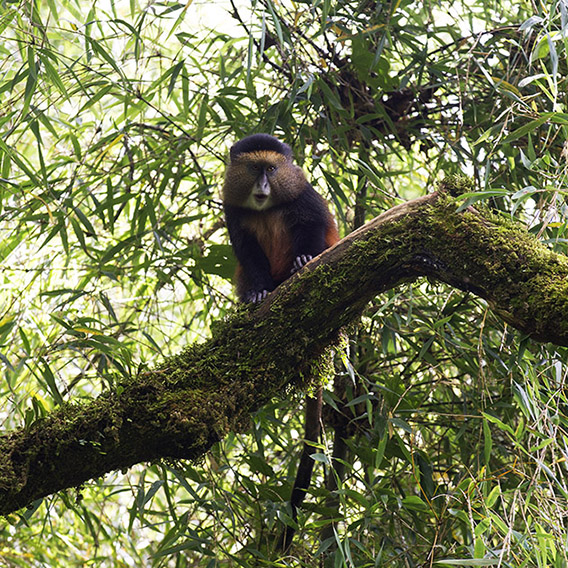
[(262, 179), (261, 194)]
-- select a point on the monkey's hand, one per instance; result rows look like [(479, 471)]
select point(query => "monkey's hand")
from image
[(300, 262), (254, 296)]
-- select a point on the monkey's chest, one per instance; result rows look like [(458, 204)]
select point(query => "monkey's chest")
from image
[(275, 240)]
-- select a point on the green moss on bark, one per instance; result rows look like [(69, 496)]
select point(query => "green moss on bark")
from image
[(179, 409)]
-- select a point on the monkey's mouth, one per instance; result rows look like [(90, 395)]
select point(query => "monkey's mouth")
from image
[(261, 198)]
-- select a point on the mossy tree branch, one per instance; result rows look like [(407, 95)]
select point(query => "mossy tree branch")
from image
[(181, 408)]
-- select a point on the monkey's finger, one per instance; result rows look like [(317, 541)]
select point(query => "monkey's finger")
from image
[(254, 297), (259, 296), (300, 261)]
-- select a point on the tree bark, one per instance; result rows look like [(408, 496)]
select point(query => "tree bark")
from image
[(189, 402)]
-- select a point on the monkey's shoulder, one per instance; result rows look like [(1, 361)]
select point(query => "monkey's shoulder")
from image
[(308, 206)]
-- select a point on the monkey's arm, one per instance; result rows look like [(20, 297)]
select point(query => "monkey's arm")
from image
[(254, 280), (312, 221)]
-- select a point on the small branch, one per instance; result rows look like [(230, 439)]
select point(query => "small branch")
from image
[(285, 72)]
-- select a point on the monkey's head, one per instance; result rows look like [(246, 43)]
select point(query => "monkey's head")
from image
[(261, 174)]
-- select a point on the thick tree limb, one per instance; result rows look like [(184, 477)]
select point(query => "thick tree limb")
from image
[(192, 400)]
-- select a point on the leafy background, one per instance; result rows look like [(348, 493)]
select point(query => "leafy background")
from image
[(115, 121)]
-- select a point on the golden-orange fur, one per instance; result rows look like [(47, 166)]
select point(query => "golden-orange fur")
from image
[(332, 234), (273, 237)]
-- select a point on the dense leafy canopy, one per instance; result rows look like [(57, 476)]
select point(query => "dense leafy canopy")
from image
[(445, 432)]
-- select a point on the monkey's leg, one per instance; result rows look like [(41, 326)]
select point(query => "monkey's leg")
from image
[(306, 465)]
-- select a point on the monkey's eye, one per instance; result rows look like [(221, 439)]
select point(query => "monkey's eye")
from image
[(270, 168)]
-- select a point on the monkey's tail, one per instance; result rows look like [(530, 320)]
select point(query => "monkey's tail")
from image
[(306, 465)]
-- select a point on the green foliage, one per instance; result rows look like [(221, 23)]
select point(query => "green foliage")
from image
[(116, 117)]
